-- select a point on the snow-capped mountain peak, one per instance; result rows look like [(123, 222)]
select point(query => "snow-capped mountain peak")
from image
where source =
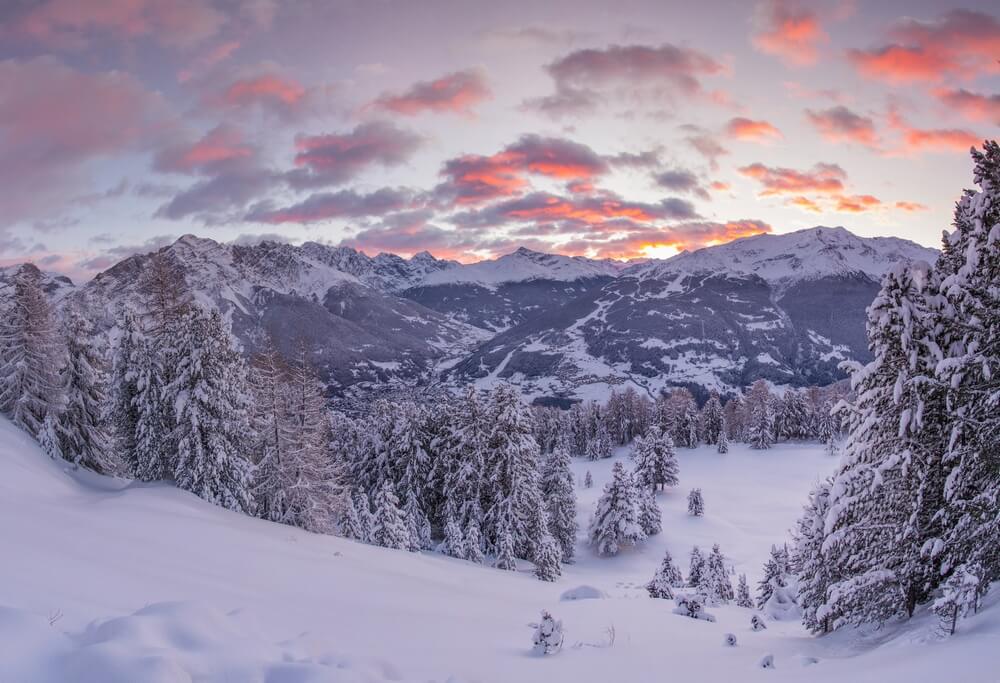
[(807, 254), (522, 265)]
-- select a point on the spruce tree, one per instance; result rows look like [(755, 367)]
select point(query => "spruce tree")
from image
[(560, 500), (650, 517), (83, 433), (696, 504), (813, 573), (211, 397), (712, 419), (775, 575), (473, 542), (617, 519), (454, 542), (125, 392), (588, 480), (760, 416), (743, 593), (30, 354), (350, 523), (548, 559), (696, 568), (390, 529), (723, 443), (667, 577), (716, 580), (655, 460)]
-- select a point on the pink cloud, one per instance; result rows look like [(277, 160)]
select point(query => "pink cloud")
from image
[(961, 43), (975, 106), (222, 145), (70, 24), (267, 89), (821, 178), (916, 140), (334, 158), (791, 33), (840, 124), (456, 92)]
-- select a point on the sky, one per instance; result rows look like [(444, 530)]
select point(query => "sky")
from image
[(467, 129)]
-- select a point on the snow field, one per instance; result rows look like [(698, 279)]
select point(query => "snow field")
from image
[(105, 582)]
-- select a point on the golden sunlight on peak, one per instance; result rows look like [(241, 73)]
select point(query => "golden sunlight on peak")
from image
[(659, 251)]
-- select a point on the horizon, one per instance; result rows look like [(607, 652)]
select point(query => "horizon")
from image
[(658, 132)]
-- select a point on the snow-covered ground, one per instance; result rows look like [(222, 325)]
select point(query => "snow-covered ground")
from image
[(103, 582)]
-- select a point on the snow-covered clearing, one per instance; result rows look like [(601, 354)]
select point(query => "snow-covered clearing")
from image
[(105, 583)]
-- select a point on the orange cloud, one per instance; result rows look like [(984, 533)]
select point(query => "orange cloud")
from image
[(857, 203), (822, 178), (910, 207), (805, 203), (456, 92), (791, 34), (755, 131)]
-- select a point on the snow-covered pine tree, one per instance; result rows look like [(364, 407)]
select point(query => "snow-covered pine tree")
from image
[(211, 400), (655, 460), (350, 522), (30, 354), (600, 445), (959, 597), (969, 335), (712, 419), (454, 542), (793, 419), (696, 568), (458, 468), (390, 529), (696, 504), (588, 480), (125, 392), (889, 489), (418, 524), (616, 521), (548, 559), (682, 412), (511, 480), (716, 581), (760, 416), (667, 577), (366, 516), (473, 542), (83, 433), (723, 444), (743, 593), (560, 500), (813, 572), (505, 553), (650, 517), (775, 575)]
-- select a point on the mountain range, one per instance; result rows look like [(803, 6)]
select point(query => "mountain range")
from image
[(787, 308)]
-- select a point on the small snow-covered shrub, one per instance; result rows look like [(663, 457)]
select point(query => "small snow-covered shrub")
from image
[(548, 636), (757, 623), (767, 662), (729, 639), (693, 607)]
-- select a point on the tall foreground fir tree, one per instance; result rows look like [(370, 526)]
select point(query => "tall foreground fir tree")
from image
[(917, 498), (30, 354), (211, 401), (617, 520), (83, 433)]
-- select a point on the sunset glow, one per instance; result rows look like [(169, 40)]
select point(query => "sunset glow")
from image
[(553, 126)]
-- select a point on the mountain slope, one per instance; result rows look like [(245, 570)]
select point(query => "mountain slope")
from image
[(356, 334), (106, 582), (786, 308)]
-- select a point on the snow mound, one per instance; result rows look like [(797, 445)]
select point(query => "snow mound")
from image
[(583, 593), (169, 642)]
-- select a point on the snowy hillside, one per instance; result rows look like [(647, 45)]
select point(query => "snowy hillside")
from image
[(808, 254), (104, 582)]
